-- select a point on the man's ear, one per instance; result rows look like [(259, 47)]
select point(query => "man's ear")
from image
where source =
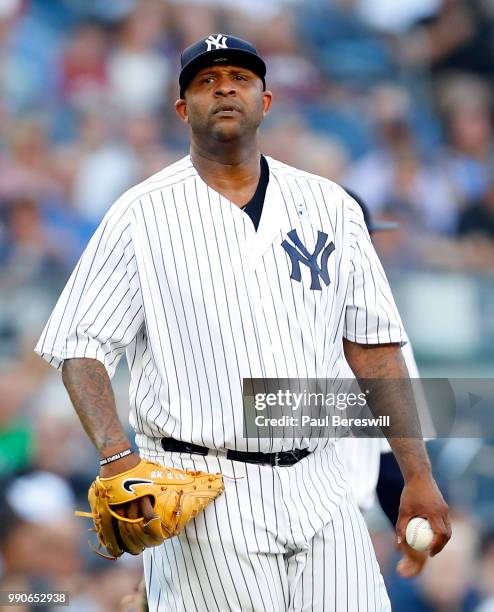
[(266, 101), (181, 110)]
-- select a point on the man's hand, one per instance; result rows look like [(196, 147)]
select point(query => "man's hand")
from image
[(133, 509), (142, 506), (421, 497), (136, 601), (412, 562), (385, 372)]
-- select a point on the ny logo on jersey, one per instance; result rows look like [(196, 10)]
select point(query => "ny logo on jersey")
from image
[(299, 254), (218, 42)]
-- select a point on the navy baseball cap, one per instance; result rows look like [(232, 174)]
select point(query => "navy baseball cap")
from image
[(218, 49), (372, 226)]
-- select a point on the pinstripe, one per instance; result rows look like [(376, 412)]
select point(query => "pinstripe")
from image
[(199, 336), (178, 570), (289, 338), (102, 265), (153, 403), (370, 551), (345, 549), (306, 374), (174, 307), (335, 580), (117, 349), (212, 554), (306, 498), (184, 535), (277, 530), (365, 301), (306, 303), (261, 496), (158, 602), (324, 571), (312, 498), (213, 287), (271, 341), (228, 313), (144, 394), (383, 295), (146, 347), (150, 577), (195, 587), (170, 591), (250, 370), (204, 569), (376, 303), (166, 321), (112, 313), (255, 574), (227, 519), (254, 326), (311, 561), (215, 444), (187, 327), (198, 584), (164, 312), (364, 557), (83, 289), (227, 561)]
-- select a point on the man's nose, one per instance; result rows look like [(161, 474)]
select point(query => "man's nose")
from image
[(225, 87)]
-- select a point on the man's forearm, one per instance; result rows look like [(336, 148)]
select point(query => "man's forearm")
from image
[(394, 397), (90, 390)]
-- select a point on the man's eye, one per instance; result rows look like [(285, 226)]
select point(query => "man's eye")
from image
[(240, 77), (207, 80)]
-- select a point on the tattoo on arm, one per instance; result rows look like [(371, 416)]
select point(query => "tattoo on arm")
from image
[(382, 370), (91, 393)]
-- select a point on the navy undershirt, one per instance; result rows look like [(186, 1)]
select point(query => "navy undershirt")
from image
[(254, 206)]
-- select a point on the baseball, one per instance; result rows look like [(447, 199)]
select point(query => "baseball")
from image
[(419, 534)]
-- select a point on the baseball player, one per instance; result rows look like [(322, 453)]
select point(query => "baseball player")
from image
[(223, 266), (374, 453)]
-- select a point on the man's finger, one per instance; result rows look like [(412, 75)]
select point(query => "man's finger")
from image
[(147, 510), (408, 568), (130, 603), (133, 510), (120, 510), (447, 524), (441, 534), (401, 526), (412, 562)]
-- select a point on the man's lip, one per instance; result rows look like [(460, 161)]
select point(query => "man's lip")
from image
[(226, 109)]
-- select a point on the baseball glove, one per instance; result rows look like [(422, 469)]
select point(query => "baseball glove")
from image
[(177, 496)]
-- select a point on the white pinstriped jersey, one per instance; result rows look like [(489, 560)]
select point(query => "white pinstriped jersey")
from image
[(177, 277)]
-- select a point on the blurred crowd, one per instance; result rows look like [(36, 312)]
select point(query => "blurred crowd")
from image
[(397, 109), (391, 99)]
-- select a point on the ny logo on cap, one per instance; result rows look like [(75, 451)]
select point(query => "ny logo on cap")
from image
[(299, 254), (218, 42)]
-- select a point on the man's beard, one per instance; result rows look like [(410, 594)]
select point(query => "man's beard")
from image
[(212, 131)]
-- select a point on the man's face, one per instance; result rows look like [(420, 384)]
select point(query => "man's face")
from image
[(224, 103)]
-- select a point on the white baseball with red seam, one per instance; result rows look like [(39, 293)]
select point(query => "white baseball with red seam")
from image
[(419, 534)]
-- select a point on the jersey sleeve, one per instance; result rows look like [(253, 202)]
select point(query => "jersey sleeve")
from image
[(371, 315), (100, 309)]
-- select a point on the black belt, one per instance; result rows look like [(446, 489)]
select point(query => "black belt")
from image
[(284, 458)]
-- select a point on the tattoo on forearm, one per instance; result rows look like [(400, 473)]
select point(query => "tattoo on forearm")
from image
[(382, 369), (91, 393)]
